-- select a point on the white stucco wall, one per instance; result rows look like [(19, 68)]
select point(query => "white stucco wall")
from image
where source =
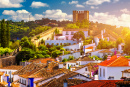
[(10, 75), (15, 77), (95, 53), (59, 42), (83, 71), (69, 35), (73, 47), (23, 85), (127, 75), (111, 71), (76, 55), (60, 65), (82, 77), (68, 64), (101, 55)]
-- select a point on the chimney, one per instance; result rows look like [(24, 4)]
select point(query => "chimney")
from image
[(104, 31), (63, 52), (65, 84), (108, 57), (102, 34), (118, 55), (129, 62), (92, 41)]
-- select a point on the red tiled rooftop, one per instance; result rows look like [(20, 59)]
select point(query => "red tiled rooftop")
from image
[(43, 60), (98, 83), (90, 47), (114, 61), (12, 67)]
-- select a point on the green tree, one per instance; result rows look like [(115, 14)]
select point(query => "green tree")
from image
[(125, 31), (42, 41), (84, 24), (72, 26), (78, 35), (119, 41), (3, 34), (104, 44), (64, 60), (56, 31), (8, 34), (56, 53), (26, 43), (127, 44), (25, 54), (38, 37)]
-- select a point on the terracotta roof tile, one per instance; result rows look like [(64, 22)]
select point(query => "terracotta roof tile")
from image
[(91, 47), (75, 29), (114, 61), (98, 83), (105, 51), (91, 66), (29, 68), (42, 60), (12, 67), (59, 82)]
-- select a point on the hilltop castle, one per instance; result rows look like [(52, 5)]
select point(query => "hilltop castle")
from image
[(80, 15)]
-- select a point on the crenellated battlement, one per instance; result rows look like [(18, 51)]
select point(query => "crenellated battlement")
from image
[(80, 15)]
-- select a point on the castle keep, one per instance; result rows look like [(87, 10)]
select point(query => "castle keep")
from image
[(80, 15)]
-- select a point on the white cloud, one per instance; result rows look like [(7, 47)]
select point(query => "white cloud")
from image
[(80, 6), (115, 1), (106, 18), (8, 12), (24, 15), (38, 4), (57, 15), (38, 16), (19, 15), (92, 7), (125, 10), (63, 2), (96, 2), (73, 2), (22, 11), (10, 3)]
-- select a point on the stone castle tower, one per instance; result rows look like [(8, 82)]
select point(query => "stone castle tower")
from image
[(80, 15)]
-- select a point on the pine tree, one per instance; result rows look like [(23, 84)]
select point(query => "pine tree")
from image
[(7, 34), (3, 34)]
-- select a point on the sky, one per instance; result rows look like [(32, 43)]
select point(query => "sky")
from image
[(113, 12)]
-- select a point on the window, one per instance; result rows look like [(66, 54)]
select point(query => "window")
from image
[(111, 78), (56, 38), (72, 33), (67, 33), (66, 38), (100, 72), (103, 72), (86, 69), (25, 82), (22, 81)]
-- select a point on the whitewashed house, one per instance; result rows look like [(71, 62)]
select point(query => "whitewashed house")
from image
[(111, 68), (121, 47), (89, 47), (6, 73), (80, 61), (105, 52), (67, 34), (86, 70), (125, 74)]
